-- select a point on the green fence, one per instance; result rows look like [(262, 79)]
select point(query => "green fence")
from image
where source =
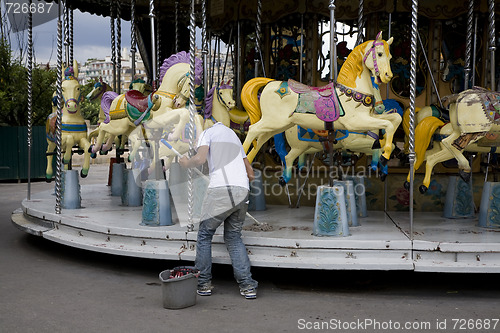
[(14, 157)]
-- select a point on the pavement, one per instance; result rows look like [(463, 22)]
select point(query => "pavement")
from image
[(48, 287)]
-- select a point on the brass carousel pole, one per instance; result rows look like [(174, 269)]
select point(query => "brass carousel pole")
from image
[(59, 166), (492, 42), (333, 78), (192, 112), (361, 23), (257, 37), (118, 48), (30, 96), (133, 41), (413, 84), (468, 45), (113, 41)]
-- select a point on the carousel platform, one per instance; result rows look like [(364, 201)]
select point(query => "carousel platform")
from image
[(381, 242)]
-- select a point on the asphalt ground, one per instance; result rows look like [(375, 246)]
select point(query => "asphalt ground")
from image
[(48, 287)]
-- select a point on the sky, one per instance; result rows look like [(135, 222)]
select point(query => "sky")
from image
[(91, 38)]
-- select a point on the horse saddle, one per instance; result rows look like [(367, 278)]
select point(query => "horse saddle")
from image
[(322, 101), (301, 88), (138, 108)]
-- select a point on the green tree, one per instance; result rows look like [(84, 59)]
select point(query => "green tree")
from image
[(13, 90)]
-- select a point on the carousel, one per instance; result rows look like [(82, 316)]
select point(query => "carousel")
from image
[(372, 133)]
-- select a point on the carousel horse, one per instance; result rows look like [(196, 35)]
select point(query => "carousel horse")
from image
[(173, 94), (348, 104), (218, 103), (303, 142), (100, 88), (73, 126), (474, 114), (159, 109)]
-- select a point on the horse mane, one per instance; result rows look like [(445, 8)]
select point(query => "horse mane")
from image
[(182, 57), (107, 98), (209, 100), (209, 103), (353, 66)]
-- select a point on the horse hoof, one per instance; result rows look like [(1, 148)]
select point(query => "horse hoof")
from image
[(83, 175), (92, 155), (48, 180), (407, 185), (465, 175), (376, 144), (383, 161), (282, 181), (422, 189), (383, 176)]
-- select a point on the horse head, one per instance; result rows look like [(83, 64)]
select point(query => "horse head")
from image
[(182, 96), (99, 88), (225, 96), (71, 88), (377, 59)]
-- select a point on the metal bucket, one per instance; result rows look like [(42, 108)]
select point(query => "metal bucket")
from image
[(179, 287)]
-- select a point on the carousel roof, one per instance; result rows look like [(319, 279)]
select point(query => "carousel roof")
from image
[(221, 12)]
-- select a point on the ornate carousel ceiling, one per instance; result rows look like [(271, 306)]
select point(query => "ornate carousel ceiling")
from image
[(221, 12)]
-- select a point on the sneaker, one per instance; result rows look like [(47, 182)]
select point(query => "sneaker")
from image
[(250, 293), (204, 290)]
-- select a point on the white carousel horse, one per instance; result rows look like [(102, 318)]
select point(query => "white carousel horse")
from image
[(474, 114), (100, 88), (285, 104), (218, 103), (124, 114), (73, 126), (303, 142)]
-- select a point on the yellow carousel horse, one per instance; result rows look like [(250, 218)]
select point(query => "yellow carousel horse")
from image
[(474, 114), (73, 126), (348, 103)]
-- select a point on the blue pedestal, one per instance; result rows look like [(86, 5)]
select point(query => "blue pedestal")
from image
[(257, 197), (359, 194), (350, 201), (330, 216), (459, 199), (489, 210), (117, 180), (70, 186), (156, 209), (132, 192)]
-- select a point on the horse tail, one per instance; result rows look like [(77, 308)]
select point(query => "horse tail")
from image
[(250, 98), (406, 120), (423, 134)]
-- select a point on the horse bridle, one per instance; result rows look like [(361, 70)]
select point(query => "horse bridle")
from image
[(374, 56), (220, 99)]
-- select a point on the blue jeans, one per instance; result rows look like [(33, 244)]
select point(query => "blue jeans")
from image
[(228, 205)]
